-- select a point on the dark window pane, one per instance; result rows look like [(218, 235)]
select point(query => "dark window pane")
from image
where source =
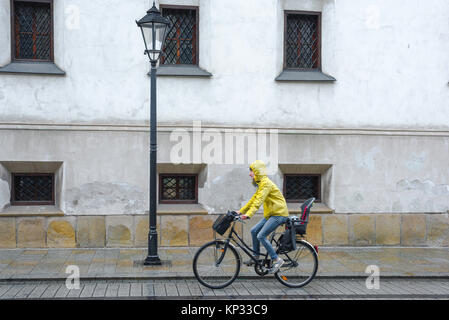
[(42, 16), (169, 188), (180, 43), (32, 188), (302, 187), (25, 46), (302, 41), (32, 28), (42, 47), (178, 188)]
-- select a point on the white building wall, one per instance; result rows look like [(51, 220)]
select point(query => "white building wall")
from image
[(389, 59), (382, 127)]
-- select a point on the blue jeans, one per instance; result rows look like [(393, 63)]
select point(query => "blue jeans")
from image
[(260, 232)]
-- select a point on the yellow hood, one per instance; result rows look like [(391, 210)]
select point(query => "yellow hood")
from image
[(259, 170), (267, 194)]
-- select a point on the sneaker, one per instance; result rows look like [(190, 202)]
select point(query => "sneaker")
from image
[(276, 265), (250, 262)]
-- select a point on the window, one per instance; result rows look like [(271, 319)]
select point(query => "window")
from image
[(302, 41), (300, 187), (32, 189), (181, 43), (178, 188), (32, 45), (32, 30), (302, 48)]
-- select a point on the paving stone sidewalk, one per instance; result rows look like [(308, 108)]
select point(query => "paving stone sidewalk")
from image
[(127, 263), (264, 288)]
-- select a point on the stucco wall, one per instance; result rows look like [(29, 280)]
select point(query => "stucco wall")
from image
[(389, 58), (107, 172)]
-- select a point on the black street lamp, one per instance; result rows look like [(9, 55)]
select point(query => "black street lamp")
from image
[(154, 29)]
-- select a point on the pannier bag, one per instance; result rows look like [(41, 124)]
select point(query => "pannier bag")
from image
[(287, 241), (223, 222)]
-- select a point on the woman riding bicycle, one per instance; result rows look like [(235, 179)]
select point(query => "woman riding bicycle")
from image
[(275, 212)]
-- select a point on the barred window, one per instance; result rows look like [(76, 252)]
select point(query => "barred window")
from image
[(32, 30), (300, 187), (32, 189), (181, 43), (178, 188), (302, 41)]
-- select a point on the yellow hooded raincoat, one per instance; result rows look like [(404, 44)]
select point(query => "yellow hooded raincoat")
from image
[(267, 193)]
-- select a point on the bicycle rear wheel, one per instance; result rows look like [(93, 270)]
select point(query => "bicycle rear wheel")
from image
[(300, 266), (215, 266)]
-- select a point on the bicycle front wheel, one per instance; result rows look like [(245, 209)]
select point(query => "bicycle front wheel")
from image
[(300, 266), (216, 265)]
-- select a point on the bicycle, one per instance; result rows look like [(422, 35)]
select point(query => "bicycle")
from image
[(217, 263)]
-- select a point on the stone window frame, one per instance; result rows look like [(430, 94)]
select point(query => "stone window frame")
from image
[(174, 209), (48, 167), (298, 200), (196, 37), (27, 66), (292, 74), (184, 70), (14, 35), (325, 206), (314, 14)]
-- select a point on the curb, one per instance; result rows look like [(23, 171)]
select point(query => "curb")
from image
[(177, 277)]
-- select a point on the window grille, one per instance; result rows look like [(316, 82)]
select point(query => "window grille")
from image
[(302, 41), (32, 31), (300, 187), (178, 188), (181, 43), (32, 189)]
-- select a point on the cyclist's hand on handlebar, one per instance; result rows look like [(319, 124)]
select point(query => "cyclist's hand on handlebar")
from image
[(242, 216)]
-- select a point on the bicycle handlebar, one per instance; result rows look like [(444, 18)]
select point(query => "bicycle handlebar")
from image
[(237, 217)]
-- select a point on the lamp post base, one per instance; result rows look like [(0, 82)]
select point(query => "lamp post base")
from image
[(152, 255), (152, 261)]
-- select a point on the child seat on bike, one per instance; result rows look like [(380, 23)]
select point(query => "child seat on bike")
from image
[(294, 226), (300, 225)]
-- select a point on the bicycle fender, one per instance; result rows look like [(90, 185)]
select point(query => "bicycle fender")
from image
[(228, 243), (309, 245)]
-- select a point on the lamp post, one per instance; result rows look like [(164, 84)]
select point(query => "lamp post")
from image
[(154, 29)]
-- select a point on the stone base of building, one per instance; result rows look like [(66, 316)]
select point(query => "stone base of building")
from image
[(193, 230)]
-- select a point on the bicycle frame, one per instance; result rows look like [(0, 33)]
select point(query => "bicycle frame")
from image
[(242, 245), (287, 274)]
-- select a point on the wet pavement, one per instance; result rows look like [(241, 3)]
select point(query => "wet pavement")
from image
[(127, 263)]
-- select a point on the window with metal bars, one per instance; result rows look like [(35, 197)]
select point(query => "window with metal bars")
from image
[(302, 40), (300, 187), (32, 189), (178, 188), (32, 30), (181, 42)]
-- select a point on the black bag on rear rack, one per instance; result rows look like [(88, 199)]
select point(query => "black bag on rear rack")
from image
[(223, 222), (287, 241)]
